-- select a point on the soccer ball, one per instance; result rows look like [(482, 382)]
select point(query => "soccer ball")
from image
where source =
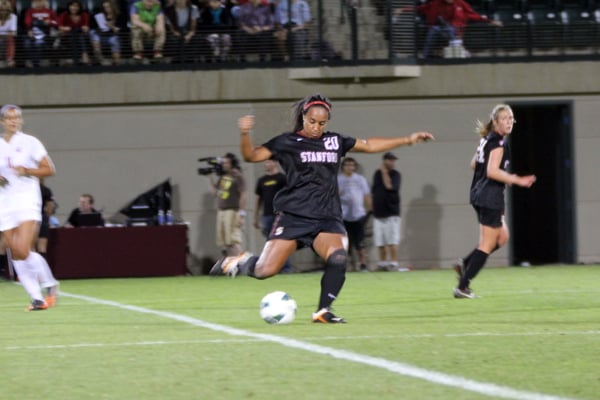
[(278, 308)]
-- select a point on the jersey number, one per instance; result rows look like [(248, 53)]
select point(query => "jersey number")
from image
[(480, 151), (331, 143)]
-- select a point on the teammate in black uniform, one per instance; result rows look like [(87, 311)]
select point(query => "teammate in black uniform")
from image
[(487, 194), (308, 208)]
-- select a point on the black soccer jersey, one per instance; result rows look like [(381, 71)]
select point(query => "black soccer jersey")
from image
[(311, 167), (486, 192)]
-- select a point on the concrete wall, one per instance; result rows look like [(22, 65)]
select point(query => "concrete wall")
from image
[(103, 145)]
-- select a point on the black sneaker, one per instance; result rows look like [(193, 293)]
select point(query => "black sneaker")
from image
[(464, 294), (324, 316), (363, 268), (217, 269)]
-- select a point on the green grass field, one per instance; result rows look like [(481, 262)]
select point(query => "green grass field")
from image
[(534, 334)]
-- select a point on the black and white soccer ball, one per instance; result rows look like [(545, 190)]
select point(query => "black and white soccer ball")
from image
[(278, 308)]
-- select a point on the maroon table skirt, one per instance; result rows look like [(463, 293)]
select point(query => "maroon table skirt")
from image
[(118, 252)]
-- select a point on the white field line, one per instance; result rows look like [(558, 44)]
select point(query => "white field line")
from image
[(485, 388), (131, 344), (351, 338)]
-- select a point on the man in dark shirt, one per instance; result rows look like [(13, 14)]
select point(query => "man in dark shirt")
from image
[(267, 187), (86, 206), (386, 212)]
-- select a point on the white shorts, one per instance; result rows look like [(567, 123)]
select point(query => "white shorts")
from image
[(386, 231), (10, 219)]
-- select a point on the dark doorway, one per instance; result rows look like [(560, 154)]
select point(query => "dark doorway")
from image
[(542, 218)]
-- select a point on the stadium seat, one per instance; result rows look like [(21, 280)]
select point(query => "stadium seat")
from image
[(480, 36), (581, 27), (547, 28), (516, 33)]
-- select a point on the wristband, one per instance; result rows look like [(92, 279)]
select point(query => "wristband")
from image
[(242, 213)]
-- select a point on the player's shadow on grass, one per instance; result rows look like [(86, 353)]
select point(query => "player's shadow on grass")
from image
[(421, 239)]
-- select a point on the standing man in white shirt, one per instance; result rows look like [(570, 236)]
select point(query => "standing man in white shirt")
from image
[(355, 197)]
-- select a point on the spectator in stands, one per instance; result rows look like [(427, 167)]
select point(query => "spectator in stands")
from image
[(257, 27), (182, 20), (106, 31), (355, 198), (74, 27), (216, 23), (86, 206), (295, 28), (8, 30), (148, 23), (446, 19), (40, 23)]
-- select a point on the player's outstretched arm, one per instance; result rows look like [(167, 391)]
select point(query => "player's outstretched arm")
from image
[(378, 144), (249, 152)]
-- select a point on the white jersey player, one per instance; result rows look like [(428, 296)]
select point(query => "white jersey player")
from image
[(23, 160)]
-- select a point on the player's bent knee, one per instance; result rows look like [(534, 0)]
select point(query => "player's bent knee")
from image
[(263, 271), (19, 253), (337, 260)]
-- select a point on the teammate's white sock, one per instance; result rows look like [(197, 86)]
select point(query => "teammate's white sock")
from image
[(45, 277), (28, 276)]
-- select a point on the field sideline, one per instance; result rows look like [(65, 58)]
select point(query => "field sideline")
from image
[(534, 334)]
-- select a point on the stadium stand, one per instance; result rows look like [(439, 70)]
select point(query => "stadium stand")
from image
[(352, 32)]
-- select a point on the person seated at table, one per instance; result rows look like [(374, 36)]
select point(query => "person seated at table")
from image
[(85, 214)]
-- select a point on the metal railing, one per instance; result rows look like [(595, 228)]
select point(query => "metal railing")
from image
[(342, 32)]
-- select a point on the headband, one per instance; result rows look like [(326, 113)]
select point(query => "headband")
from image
[(316, 103)]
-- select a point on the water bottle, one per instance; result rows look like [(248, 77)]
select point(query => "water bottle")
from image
[(160, 218), (169, 218)]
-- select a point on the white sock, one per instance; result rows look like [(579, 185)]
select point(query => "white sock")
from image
[(45, 277), (28, 276)]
